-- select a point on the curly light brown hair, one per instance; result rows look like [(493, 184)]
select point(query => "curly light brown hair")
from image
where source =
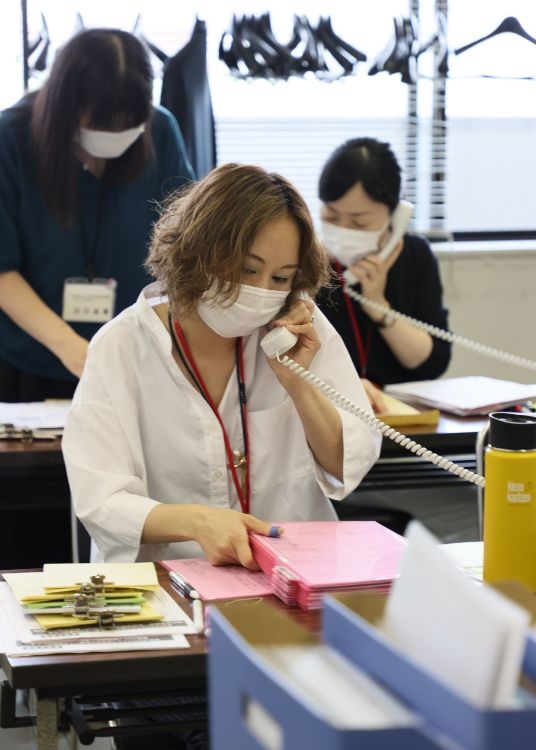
[(206, 231)]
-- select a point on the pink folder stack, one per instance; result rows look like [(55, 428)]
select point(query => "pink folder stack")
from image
[(314, 558)]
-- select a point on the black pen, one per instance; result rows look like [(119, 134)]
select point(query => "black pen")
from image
[(182, 586)]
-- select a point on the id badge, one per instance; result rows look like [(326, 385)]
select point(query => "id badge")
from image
[(87, 301)]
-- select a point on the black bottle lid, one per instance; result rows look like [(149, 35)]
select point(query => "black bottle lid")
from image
[(512, 431)]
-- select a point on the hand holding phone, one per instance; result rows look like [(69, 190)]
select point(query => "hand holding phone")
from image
[(399, 223), (279, 340)]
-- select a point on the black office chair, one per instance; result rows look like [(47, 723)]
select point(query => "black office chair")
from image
[(177, 721), (353, 509)]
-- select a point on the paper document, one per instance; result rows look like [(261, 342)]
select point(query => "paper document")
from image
[(222, 582), (21, 635), (470, 637), (398, 414), (58, 576), (469, 556), (35, 415), (465, 396)]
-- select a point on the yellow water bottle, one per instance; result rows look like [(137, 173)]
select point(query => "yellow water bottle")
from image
[(510, 499)]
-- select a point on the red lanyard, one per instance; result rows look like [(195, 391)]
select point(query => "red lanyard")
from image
[(363, 348), (243, 492)]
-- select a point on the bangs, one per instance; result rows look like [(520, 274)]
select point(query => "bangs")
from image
[(126, 108)]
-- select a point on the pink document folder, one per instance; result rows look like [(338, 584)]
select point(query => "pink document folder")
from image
[(313, 558), (226, 582)]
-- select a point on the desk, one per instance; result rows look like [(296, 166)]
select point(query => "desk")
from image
[(122, 674)]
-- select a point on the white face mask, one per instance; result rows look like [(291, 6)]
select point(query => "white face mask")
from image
[(350, 245), (103, 144), (254, 308)]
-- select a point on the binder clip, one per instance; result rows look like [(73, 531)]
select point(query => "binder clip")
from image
[(95, 586), (106, 620), (87, 608), (81, 605), (98, 582)]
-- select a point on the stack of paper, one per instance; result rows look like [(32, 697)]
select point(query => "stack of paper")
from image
[(313, 558), (122, 593), (465, 396), (399, 414), (38, 420), (157, 621)]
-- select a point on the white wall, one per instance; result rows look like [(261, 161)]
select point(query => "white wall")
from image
[(491, 295)]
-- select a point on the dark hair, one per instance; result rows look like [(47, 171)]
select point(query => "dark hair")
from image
[(364, 160), (105, 74), (206, 232)]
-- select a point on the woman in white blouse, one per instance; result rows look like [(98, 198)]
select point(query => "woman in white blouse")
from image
[(183, 436)]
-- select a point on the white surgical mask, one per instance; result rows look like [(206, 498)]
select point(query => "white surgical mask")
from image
[(350, 245), (103, 144), (253, 308)]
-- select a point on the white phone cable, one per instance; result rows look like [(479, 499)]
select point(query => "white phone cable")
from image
[(386, 430), (439, 333)]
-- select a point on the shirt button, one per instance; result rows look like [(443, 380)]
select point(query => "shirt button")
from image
[(217, 474)]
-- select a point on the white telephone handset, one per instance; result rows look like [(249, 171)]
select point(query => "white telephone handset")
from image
[(278, 341), (399, 223)]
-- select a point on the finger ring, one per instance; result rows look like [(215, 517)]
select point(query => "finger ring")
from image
[(312, 320)]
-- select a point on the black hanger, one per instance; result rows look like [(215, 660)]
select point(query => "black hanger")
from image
[(510, 24), (342, 52), (137, 31), (325, 23), (38, 52), (279, 59), (266, 49), (79, 24), (399, 56), (312, 55)]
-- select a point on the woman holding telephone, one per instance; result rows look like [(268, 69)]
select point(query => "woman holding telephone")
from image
[(363, 227), (183, 436)]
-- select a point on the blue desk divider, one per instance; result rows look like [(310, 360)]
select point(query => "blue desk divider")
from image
[(348, 625), (239, 676), (529, 659), (527, 599)]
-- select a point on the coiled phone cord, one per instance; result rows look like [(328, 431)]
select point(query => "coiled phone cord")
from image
[(386, 430), (439, 333)]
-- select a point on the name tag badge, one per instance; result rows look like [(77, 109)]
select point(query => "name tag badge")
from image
[(87, 301)]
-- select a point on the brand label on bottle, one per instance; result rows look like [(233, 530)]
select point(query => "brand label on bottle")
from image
[(519, 492)]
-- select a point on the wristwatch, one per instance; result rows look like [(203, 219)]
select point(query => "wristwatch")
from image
[(387, 321)]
